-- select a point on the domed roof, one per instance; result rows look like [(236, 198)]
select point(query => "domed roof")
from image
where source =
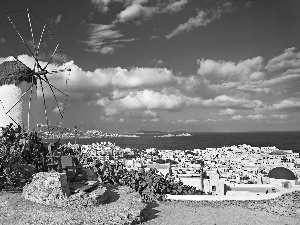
[(281, 173)]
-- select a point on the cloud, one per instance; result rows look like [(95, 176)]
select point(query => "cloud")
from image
[(58, 19), (247, 77), (141, 10), (175, 6), (277, 83), (102, 5), (157, 62), (292, 104), (121, 120), (248, 69), (136, 11), (222, 87), (209, 121), (150, 114), (203, 18), (116, 83), (227, 112), (237, 117), (146, 99), (225, 101), (189, 121), (281, 116), (256, 117), (288, 59), (154, 37), (150, 99), (2, 40), (105, 39), (59, 108), (142, 77), (248, 4), (102, 101), (107, 119)]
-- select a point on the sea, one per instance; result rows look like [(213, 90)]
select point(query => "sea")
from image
[(287, 140)]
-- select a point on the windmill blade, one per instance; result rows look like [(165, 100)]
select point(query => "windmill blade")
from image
[(59, 71), (29, 106), (53, 86), (19, 99), (51, 56), (21, 37), (54, 96), (31, 32), (37, 50), (9, 115), (44, 101)]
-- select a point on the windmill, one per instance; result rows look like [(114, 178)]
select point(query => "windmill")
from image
[(34, 69)]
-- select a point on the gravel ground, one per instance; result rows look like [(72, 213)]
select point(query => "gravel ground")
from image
[(282, 210), (195, 213), (123, 203)]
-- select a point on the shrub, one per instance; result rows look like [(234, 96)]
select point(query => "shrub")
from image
[(19, 149), (151, 185)]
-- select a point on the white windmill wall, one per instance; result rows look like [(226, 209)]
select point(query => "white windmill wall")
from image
[(9, 95)]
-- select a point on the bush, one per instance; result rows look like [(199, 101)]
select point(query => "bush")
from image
[(151, 185), (19, 149)]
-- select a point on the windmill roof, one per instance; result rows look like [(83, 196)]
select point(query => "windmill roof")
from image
[(12, 72)]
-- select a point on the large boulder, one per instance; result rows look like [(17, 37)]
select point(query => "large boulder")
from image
[(48, 189)]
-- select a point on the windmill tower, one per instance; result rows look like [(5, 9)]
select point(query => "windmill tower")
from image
[(18, 95)]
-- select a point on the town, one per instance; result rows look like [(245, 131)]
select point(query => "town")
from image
[(242, 164)]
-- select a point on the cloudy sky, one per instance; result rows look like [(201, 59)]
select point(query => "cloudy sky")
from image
[(193, 65)]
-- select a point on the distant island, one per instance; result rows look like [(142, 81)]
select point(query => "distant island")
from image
[(176, 135), (58, 132)]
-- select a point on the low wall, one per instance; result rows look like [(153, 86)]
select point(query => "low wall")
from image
[(241, 197), (251, 185)]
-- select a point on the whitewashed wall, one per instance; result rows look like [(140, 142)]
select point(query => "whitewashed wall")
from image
[(9, 95)]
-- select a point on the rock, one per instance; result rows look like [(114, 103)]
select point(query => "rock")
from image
[(48, 189), (83, 199)]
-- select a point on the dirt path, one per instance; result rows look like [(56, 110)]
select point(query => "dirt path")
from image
[(179, 213)]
